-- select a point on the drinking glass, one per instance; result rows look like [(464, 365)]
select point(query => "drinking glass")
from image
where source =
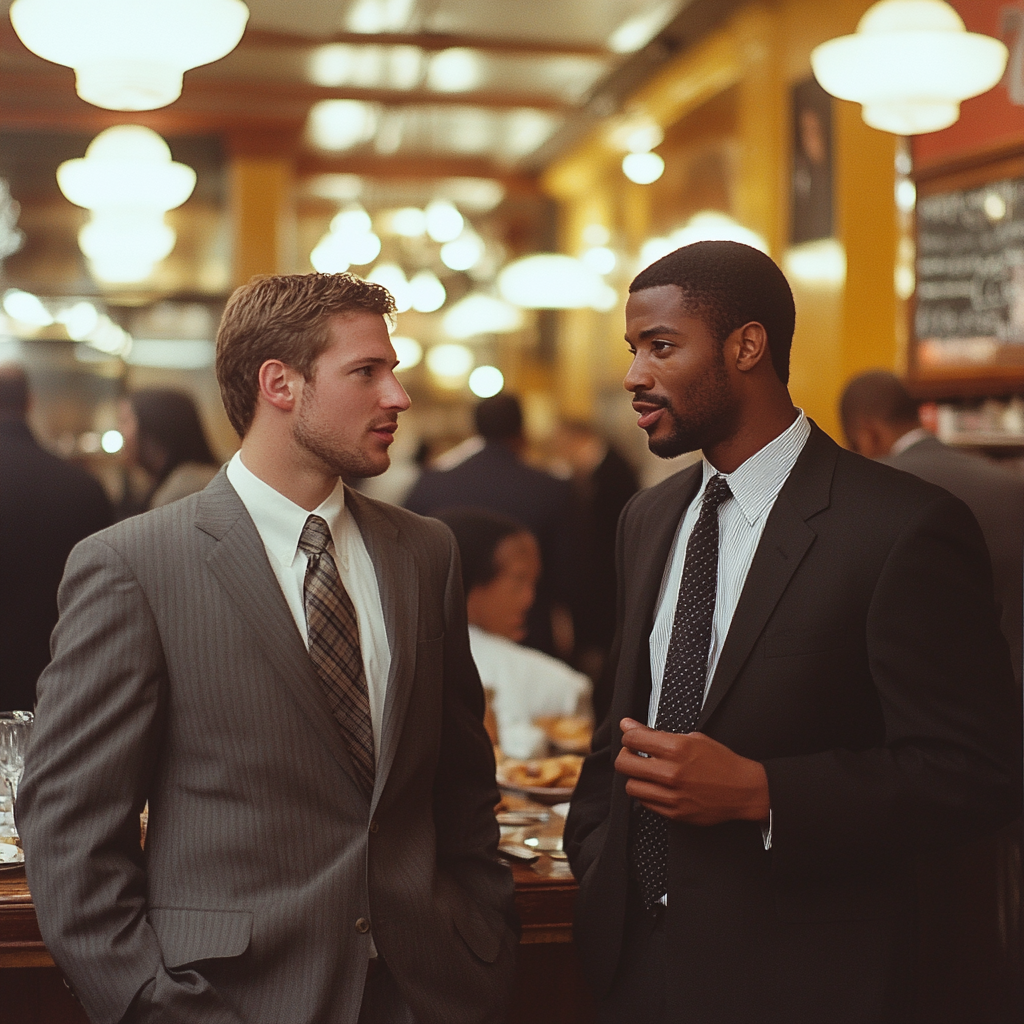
[(15, 728)]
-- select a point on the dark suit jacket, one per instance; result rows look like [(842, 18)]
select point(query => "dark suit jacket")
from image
[(495, 479), (996, 497), (46, 507), (179, 676), (865, 669)]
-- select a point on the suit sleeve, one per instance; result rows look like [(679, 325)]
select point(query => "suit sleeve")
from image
[(465, 791), (948, 766), (93, 755), (591, 800)]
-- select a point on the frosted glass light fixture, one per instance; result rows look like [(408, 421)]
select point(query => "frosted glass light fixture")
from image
[(910, 64), (549, 280), (129, 54), (129, 181)]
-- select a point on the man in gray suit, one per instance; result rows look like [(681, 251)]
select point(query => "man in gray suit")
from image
[(281, 668), (880, 420)]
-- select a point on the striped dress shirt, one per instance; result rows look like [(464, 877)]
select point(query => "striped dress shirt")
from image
[(755, 485)]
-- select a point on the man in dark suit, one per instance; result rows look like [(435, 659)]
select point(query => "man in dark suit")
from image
[(811, 687), (495, 477), (880, 420), (969, 960), (46, 507), (281, 667)]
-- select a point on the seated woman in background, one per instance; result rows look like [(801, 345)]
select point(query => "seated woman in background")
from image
[(164, 436), (500, 566)]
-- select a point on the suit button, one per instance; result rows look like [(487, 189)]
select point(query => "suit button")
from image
[(374, 826), (362, 926)]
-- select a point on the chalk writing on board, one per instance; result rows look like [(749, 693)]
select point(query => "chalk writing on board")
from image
[(970, 271)]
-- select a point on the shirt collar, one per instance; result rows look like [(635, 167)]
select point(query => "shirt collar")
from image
[(908, 440), (278, 519), (756, 483)]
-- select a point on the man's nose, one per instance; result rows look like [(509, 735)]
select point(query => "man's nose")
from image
[(637, 378)]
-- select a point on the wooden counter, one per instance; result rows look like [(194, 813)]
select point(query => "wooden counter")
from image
[(549, 990)]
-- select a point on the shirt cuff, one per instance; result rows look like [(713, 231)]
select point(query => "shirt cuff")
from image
[(766, 831)]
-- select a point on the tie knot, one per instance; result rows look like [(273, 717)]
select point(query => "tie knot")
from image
[(315, 536), (716, 492)]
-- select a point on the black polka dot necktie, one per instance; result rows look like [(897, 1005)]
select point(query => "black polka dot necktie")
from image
[(334, 648), (686, 667)]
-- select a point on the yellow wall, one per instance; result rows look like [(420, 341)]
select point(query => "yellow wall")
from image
[(751, 63)]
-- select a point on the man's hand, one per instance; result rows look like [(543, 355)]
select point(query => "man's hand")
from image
[(691, 777)]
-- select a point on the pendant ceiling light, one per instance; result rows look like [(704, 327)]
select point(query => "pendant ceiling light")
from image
[(548, 280), (130, 54), (910, 63), (128, 180)]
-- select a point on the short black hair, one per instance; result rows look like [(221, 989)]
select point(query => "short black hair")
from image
[(499, 418), (478, 532), (727, 285), (877, 394)]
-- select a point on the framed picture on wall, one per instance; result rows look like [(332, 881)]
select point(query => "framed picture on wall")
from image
[(811, 180)]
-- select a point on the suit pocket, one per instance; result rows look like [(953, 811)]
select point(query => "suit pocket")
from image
[(186, 936)]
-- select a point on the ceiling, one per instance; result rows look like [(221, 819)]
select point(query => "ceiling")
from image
[(428, 87)]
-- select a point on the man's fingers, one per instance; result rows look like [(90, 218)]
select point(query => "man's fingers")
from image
[(636, 767), (651, 741)]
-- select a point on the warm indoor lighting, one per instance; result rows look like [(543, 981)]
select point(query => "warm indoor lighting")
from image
[(821, 263), (128, 180), (444, 222), (409, 222), (643, 168), (126, 166), (600, 259), (636, 32), (409, 352), (449, 362), (111, 441), (481, 314), (910, 64), (486, 381), (26, 308), (349, 242), (342, 124), (454, 70), (426, 292), (549, 280), (79, 320), (464, 252), (129, 55), (392, 277)]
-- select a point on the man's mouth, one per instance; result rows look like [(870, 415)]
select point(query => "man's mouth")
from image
[(649, 409), (385, 431)]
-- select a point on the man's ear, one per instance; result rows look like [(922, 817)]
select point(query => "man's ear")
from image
[(751, 346), (280, 385)]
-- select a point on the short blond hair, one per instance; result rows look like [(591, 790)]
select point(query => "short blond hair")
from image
[(284, 317)]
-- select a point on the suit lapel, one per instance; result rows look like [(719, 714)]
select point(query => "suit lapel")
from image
[(647, 557), (239, 561), (784, 543), (397, 581)]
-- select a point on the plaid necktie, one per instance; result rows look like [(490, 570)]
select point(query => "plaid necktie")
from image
[(686, 668), (334, 648)]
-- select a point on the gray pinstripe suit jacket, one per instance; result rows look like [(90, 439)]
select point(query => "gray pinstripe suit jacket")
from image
[(179, 677)]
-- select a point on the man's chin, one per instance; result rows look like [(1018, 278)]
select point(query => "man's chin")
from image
[(671, 447)]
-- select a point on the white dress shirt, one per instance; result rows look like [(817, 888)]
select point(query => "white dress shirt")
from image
[(741, 519), (279, 522)]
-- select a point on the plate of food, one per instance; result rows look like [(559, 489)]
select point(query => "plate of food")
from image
[(569, 734), (544, 779), (11, 857)]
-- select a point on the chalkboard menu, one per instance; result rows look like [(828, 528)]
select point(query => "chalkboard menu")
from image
[(970, 277)]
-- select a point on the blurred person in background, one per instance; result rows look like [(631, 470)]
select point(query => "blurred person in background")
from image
[(880, 420), (970, 897), (500, 567), (493, 475), (164, 436), (603, 481), (46, 507)]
